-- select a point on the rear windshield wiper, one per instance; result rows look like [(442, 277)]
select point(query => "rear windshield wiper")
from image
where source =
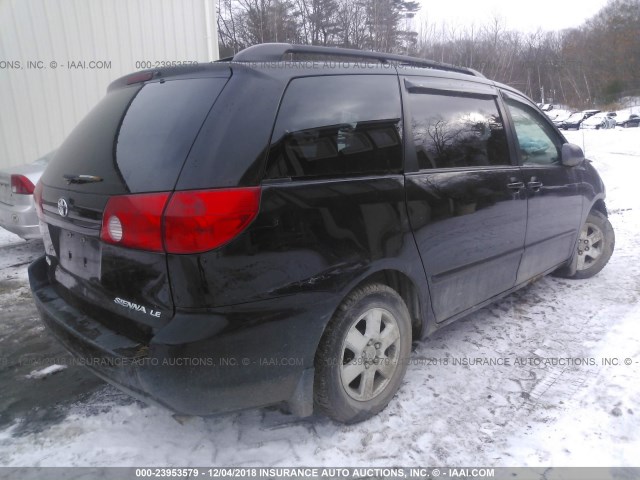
[(82, 179)]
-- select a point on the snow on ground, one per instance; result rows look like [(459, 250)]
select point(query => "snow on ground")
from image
[(45, 372), (538, 412), (8, 238)]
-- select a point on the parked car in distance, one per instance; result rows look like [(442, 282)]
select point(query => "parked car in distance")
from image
[(558, 116), (632, 120), (232, 235), (599, 121), (17, 209), (576, 119)]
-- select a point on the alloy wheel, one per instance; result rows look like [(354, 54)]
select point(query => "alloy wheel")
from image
[(370, 354), (590, 245)]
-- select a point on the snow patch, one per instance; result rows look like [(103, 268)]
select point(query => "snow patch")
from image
[(8, 238), (45, 372)]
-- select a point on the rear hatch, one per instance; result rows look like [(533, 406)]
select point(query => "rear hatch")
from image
[(128, 151)]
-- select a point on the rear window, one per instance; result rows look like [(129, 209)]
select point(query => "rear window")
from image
[(337, 126), (137, 138)]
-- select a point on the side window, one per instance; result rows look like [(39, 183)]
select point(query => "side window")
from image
[(539, 144), (337, 126), (453, 130)]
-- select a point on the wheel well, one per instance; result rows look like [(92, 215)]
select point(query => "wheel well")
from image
[(600, 206), (406, 289)]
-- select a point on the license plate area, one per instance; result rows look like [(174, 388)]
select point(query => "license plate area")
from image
[(80, 255)]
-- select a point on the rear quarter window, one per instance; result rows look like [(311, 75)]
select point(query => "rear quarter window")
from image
[(337, 126)]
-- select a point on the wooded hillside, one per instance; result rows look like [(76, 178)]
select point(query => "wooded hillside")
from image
[(595, 64)]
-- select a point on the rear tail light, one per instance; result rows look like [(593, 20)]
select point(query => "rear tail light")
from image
[(185, 222), (21, 185), (37, 199), (135, 221), (114, 227), (201, 220)]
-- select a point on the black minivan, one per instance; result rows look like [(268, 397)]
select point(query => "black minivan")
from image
[(259, 231)]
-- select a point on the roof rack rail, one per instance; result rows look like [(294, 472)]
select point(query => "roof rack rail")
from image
[(273, 52)]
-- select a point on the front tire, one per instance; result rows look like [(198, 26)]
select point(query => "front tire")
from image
[(362, 356), (595, 245)]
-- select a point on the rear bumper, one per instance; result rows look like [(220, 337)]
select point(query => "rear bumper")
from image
[(21, 220), (200, 363)]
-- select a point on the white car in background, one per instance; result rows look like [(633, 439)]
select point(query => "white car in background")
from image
[(559, 116), (599, 121), (17, 210)]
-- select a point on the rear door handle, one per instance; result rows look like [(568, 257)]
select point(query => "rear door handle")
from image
[(515, 186)]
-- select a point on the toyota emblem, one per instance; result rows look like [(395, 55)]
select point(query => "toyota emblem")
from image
[(63, 208)]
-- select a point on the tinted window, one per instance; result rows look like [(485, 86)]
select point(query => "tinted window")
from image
[(337, 126), (452, 130), (539, 144), (136, 139), (159, 128)]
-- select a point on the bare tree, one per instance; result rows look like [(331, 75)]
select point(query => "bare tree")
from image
[(597, 62)]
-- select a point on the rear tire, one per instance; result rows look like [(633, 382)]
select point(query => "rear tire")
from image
[(595, 245), (362, 356)]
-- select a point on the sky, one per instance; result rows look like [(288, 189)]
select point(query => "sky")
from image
[(517, 14)]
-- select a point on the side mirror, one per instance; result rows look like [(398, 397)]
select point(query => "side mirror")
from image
[(572, 155)]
